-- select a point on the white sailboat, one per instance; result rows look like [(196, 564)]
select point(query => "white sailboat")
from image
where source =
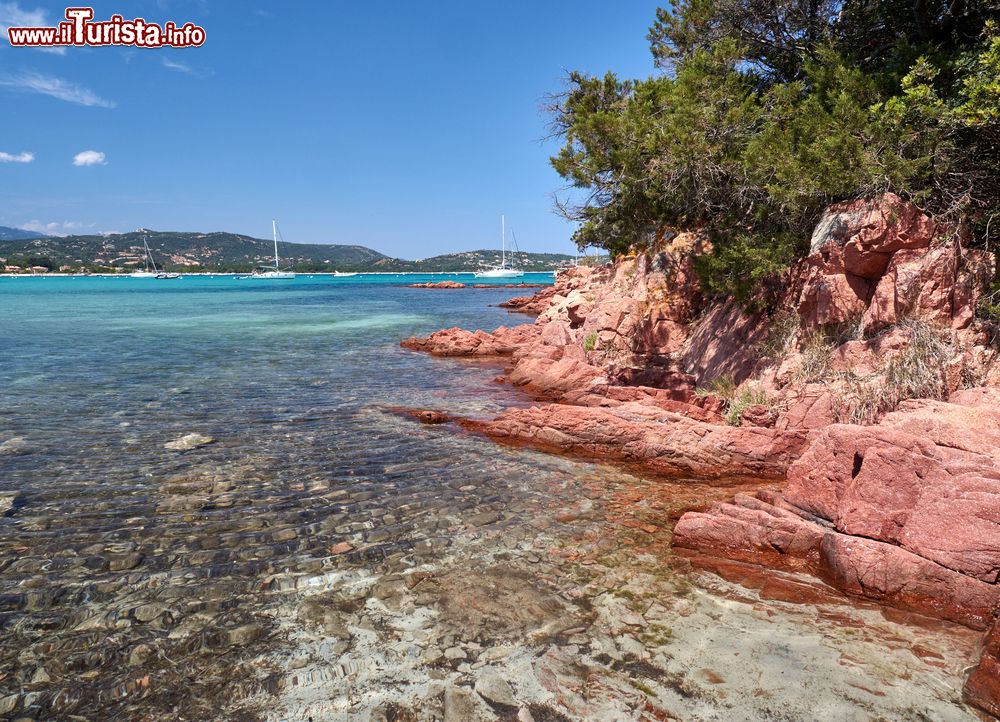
[(277, 273), (505, 269), (148, 261)]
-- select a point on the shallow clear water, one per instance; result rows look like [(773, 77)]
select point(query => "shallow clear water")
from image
[(289, 377), (325, 558)]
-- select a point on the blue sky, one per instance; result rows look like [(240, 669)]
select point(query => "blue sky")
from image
[(405, 127)]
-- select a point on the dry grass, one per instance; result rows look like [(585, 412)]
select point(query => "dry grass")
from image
[(781, 335), (737, 399), (916, 373), (816, 363)]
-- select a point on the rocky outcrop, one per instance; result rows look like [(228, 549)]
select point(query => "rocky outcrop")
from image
[(665, 442), (905, 512), (921, 481), (437, 284), (880, 261), (459, 342)]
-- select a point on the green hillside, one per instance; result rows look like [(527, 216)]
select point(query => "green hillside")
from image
[(182, 251)]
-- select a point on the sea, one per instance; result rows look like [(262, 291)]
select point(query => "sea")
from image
[(312, 553)]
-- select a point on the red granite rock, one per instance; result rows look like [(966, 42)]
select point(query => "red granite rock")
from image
[(885, 573), (437, 284), (982, 689), (661, 441)]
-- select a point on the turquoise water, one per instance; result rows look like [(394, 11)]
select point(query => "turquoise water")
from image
[(116, 544)]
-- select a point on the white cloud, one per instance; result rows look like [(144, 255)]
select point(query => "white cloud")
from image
[(179, 66), (16, 157), (176, 65), (88, 157), (55, 228), (34, 82), (13, 15)]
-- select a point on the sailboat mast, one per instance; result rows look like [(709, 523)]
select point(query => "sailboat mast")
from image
[(149, 254), (274, 231), (503, 243)]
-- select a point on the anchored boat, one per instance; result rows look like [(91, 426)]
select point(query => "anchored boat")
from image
[(268, 273), (505, 269)]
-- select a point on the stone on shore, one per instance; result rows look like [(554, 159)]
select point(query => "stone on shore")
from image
[(983, 686), (494, 688)]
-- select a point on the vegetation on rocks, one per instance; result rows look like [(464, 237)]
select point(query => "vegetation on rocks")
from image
[(764, 113), (916, 373)]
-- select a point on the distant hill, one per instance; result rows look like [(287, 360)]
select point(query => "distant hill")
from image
[(17, 234), (181, 251), (234, 252), (470, 261)]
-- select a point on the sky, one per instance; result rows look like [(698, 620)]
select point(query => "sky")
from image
[(405, 127)]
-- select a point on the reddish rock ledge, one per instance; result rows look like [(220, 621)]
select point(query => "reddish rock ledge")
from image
[(906, 513), (660, 441)]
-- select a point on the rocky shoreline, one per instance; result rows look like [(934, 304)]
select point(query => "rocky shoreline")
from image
[(872, 394)]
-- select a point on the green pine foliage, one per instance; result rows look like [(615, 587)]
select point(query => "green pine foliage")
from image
[(763, 113)]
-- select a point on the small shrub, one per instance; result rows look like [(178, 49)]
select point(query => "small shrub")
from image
[(736, 400), (989, 306), (590, 342), (749, 396)]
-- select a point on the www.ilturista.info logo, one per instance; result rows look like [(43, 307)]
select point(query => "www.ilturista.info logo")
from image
[(80, 29)]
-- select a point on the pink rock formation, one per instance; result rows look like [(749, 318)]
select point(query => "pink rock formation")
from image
[(884, 260), (438, 284), (458, 342), (831, 295), (936, 284), (906, 513), (661, 441)]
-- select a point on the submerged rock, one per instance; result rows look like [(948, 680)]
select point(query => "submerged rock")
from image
[(189, 441), (438, 284), (424, 416), (9, 501), (15, 446)]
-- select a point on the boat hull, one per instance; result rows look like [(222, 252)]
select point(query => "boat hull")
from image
[(500, 273), (271, 276)]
